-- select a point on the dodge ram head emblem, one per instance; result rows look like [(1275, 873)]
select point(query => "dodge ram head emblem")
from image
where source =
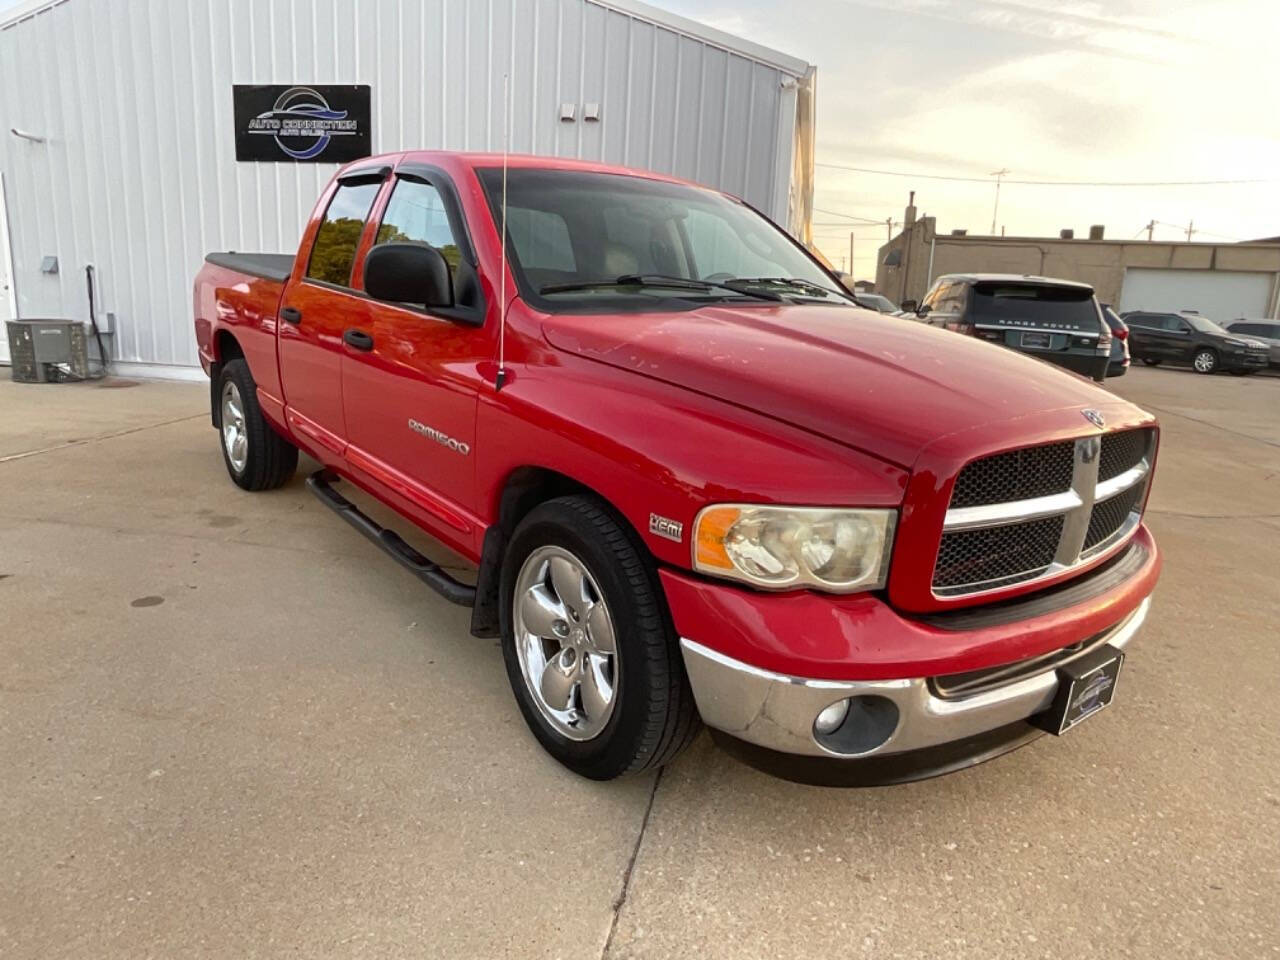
[(1095, 417)]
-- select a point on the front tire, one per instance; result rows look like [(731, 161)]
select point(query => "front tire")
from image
[(257, 457), (1205, 361), (590, 651)]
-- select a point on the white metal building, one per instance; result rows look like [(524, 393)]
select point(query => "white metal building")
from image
[(116, 133)]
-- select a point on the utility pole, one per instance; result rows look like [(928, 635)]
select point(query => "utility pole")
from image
[(888, 226), (1191, 228), (999, 175), (1151, 230), (851, 253)]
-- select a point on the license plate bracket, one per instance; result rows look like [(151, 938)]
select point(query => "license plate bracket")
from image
[(1086, 686), (1037, 340)]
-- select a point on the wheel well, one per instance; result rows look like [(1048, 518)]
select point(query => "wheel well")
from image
[(525, 488), (225, 348)]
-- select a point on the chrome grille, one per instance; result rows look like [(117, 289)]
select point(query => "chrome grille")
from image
[(1016, 475), (1052, 521), (995, 556), (1122, 451), (1108, 517)]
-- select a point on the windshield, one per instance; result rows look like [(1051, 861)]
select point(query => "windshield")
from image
[(614, 242), (1204, 324)]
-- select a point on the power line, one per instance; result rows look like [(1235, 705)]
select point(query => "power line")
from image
[(1051, 183), (849, 216)]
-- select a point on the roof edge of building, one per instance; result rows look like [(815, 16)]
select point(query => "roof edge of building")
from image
[(632, 8)]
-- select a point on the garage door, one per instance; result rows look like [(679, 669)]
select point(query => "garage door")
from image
[(1220, 295)]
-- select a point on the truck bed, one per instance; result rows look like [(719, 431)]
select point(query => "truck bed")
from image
[(269, 266)]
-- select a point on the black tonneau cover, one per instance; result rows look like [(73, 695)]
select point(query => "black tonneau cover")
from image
[(269, 266)]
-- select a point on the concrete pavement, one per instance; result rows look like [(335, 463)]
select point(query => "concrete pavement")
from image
[(230, 728)]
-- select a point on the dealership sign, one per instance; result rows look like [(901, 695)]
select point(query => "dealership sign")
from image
[(315, 124)]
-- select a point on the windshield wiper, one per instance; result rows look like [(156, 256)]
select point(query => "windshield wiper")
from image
[(793, 282), (660, 281)]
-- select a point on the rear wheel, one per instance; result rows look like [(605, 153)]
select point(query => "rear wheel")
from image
[(257, 457), (1205, 361), (591, 655)]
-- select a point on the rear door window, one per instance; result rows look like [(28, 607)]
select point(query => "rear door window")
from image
[(1032, 305), (334, 251), (951, 298)]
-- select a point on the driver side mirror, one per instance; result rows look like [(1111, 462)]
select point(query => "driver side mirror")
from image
[(415, 273), (910, 306)]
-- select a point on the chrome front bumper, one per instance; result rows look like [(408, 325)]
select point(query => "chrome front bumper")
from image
[(777, 712)]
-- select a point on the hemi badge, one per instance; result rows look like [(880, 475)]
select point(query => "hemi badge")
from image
[(665, 527)]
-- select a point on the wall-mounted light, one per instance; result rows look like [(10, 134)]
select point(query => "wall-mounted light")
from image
[(49, 265), (567, 112), (591, 112)]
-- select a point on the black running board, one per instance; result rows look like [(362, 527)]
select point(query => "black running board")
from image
[(321, 484)]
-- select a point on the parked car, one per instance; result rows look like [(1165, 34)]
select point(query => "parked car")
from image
[(695, 480), (1266, 331), (1118, 364), (1054, 320), (1188, 337)]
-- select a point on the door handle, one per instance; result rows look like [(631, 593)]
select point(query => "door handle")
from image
[(358, 339), (291, 315)]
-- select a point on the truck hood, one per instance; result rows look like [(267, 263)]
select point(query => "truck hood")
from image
[(884, 385)]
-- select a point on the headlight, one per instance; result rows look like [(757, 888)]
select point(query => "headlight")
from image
[(786, 547)]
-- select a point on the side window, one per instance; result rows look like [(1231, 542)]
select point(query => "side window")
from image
[(951, 299), (416, 213), (334, 250)]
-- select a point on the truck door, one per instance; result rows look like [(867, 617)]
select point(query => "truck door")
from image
[(317, 306), (410, 378)]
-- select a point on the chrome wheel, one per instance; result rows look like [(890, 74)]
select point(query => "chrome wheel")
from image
[(1205, 362), (235, 438), (565, 642)]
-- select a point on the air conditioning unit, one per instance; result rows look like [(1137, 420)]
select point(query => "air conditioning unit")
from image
[(48, 351)]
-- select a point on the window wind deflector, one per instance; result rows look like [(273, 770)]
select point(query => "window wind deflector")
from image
[(658, 281), (365, 174)]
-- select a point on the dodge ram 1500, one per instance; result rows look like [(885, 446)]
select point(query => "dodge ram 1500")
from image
[(697, 482)]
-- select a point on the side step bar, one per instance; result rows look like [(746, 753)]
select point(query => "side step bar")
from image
[(321, 484)]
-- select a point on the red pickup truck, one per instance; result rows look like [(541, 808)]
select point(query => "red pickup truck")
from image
[(697, 482)]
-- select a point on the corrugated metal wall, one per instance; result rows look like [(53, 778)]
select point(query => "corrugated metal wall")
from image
[(138, 174)]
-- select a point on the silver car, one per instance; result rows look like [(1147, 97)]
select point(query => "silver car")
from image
[(1268, 331)]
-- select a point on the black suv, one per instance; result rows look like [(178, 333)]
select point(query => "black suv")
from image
[(1188, 337), (1054, 320)]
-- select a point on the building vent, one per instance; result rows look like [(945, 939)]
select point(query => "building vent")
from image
[(1096, 231), (1067, 234), (959, 233)]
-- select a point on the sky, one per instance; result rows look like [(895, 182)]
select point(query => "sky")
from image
[(1125, 90)]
